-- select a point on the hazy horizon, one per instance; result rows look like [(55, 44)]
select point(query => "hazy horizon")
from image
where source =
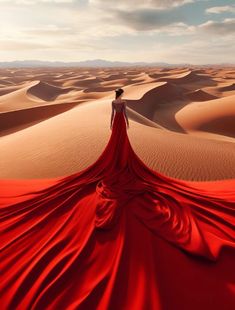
[(103, 62)]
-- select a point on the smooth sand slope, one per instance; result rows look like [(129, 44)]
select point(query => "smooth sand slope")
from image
[(181, 119)]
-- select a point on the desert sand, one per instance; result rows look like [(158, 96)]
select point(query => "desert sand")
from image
[(55, 122)]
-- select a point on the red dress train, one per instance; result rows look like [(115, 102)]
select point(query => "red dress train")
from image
[(117, 235)]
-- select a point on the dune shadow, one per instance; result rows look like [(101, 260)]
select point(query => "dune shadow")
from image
[(13, 121)]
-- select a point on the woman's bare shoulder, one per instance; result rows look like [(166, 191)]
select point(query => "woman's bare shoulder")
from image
[(121, 101)]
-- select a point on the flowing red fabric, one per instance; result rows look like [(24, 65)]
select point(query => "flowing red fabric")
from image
[(117, 235)]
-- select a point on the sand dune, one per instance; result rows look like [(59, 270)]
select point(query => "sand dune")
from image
[(159, 94), (5, 82), (181, 119), (114, 77), (217, 116), (9, 89), (199, 95), (17, 100), (229, 87), (16, 120), (189, 77), (90, 81), (33, 95), (46, 91)]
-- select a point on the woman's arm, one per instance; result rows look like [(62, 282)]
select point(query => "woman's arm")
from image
[(124, 107), (111, 122)]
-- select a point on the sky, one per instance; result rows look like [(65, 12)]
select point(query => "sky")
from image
[(172, 31)]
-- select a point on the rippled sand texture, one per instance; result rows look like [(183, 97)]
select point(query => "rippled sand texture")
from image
[(55, 122)]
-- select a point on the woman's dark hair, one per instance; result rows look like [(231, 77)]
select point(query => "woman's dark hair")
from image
[(118, 92)]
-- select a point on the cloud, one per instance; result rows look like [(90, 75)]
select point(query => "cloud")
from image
[(225, 27), (149, 16), (129, 4), (33, 2), (197, 51), (144, 19), (9, 45), (47, 30), (63, 44), (221, 9)]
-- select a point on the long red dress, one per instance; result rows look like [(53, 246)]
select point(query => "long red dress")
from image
[(117, 235)]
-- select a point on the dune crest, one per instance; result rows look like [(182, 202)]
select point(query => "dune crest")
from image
[(200, 95), (188, 77), (228, 87), (216, 116), (45, 91)]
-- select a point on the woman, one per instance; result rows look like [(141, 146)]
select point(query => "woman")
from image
[(117, 235), (119, 106)]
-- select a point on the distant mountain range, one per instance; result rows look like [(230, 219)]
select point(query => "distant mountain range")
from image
[(92, 63)]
